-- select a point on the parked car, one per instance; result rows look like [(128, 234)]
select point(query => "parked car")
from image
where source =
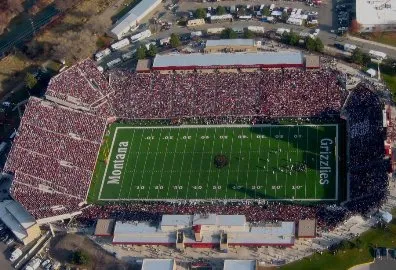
[(45, 263), (10, 241)]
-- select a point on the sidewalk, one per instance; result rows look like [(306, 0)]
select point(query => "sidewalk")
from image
[(370, 42)]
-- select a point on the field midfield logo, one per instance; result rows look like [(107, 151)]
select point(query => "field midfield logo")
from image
[(118, 164), (325, 169)]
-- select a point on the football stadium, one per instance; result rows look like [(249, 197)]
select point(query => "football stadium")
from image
[(268, 135)]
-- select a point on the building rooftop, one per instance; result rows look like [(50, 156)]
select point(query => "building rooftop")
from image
[(104, 227), (307, 228), (312, 61), (143, 65), (371, 12), (133, 15), (227, 59), (230, 42), (177, 220), (158, 264), (239, 265), (16, 218)]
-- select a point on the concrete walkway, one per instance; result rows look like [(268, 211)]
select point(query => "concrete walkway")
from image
[(371, 42)]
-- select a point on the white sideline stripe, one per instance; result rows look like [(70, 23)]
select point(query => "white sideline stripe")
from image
[(107, 165)]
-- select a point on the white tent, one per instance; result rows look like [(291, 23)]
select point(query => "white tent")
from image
[(371, 72)]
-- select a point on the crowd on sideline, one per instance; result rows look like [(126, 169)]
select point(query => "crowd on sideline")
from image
[(367, 167)]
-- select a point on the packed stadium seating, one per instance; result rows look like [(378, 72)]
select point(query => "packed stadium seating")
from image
[(54, 153)]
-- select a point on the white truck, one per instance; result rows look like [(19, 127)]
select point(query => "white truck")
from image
[(33, 264), (256, 29), (141, 36), (114, 62), (15, 254), (216, 30), (377, 55), (349, 47), (101, 54), (128, 55), (120, 44)]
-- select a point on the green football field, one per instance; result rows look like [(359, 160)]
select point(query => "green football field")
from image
[(272, 162)]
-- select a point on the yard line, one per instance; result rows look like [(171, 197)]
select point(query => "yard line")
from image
[(210, 166), (185, 146), (173, 162), (126, 164), (163, 163), (277, 163), (239, 164), (268, 151), (297, 147), (306, 171), (247, 172), (200, 165), (258, 161), (192, 163), (155, 160), (144, 166), (287, 156), (137, 158), (218, 171), (229, 165)]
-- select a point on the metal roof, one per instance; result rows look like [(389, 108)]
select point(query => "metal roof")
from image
[(239, 265), (133, 227), (16, 218), (133, 15), (230, 42), (227, 59), (177, 220), (158, 264)]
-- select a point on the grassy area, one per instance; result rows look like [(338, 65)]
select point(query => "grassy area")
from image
[(356, 252), (388, 38), (272, 162)]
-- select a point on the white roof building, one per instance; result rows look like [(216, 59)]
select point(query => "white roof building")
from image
[(230, 42), (19, 221), (204, 231), (375, 15), (158, 264), (239, 265), (133, 17)]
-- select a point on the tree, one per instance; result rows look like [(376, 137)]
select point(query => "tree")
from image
[(200, 13), (174, 40), (357, 57), (355, 26), (266, 11), (319, 45), (248, 34), (310, 44), (366, 59), (30, 81), (228, 33), (141, 52), (285, 16), (220, 10), (79, 257), (293, 38), (152, 51), (220, 161)]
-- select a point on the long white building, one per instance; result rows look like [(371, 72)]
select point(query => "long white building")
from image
[(133, 17), (376, 15)]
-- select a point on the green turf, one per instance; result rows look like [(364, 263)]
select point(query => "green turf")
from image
[(178, 163)]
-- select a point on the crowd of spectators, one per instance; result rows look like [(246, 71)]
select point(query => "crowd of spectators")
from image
[(367, 167), (55, 150), (53, 157), (271, 93)]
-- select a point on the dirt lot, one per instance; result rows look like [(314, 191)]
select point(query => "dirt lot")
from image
[(62, 246)]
